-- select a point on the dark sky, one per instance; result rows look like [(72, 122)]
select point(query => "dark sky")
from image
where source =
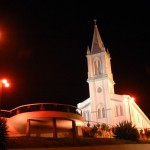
[(43, 49)]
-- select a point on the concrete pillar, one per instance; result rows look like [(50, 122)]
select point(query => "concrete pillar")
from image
[(54, 128), (74, 131), (28, 128)]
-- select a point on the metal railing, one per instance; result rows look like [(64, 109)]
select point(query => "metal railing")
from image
[(40, 107)]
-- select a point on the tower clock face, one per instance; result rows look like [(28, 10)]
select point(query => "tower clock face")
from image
[(99, 90)]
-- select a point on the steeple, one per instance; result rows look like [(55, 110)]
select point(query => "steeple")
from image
[(97, 44), (88, 50)]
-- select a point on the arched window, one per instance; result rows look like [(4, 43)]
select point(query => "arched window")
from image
[(86, 115), (103, 113), (121, 110), (117, 112), (99, 113), (97, 67)]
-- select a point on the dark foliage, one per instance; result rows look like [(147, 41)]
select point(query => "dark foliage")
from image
[(104, 127), (3, 133), (125, 130), (97, 129), (147, 133)]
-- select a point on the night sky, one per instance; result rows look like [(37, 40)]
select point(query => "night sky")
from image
[(43, 49)]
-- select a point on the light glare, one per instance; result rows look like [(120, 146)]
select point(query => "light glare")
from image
[(7, 84), (132, 99), (4, 81)]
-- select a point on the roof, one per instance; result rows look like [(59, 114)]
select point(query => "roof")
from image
[(97, 44)]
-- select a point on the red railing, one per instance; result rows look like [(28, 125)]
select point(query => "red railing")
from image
[(41, 107)]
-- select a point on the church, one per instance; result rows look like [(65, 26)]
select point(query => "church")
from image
[(103, 105)]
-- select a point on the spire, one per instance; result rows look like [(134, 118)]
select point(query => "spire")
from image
[(97, 44), (88, 50)]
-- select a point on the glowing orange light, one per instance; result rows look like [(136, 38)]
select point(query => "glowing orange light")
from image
[(7, 84), (4, 81)]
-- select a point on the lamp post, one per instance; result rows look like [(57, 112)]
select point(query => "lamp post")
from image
[(0, 35), (6, 84)]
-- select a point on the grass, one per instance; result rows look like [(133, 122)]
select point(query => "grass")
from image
[(40, 142)]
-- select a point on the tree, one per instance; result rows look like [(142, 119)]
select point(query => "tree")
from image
[(3, 132)]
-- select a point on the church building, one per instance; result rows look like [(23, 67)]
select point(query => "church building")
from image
[(103, 105)]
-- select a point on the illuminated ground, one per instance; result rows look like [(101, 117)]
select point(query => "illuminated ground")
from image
[(38, 142)]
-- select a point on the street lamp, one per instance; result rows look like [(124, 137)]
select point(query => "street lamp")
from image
[(3, 82), (129, 100), (0, 35)]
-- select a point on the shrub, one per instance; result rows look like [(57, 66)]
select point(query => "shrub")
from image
[(141, 134), (93, 131), (86, 131), (147, 134), (125, 130), (104, 127), (3, 132)]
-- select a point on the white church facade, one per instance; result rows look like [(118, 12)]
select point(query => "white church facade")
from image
[(103, 105)]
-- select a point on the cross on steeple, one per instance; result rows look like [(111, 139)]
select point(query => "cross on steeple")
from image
[(95, 21)]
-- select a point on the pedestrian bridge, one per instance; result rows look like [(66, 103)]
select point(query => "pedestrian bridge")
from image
[(43, 119)]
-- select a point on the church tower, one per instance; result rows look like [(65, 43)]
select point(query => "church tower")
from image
[(103, 105), (100, 79)]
